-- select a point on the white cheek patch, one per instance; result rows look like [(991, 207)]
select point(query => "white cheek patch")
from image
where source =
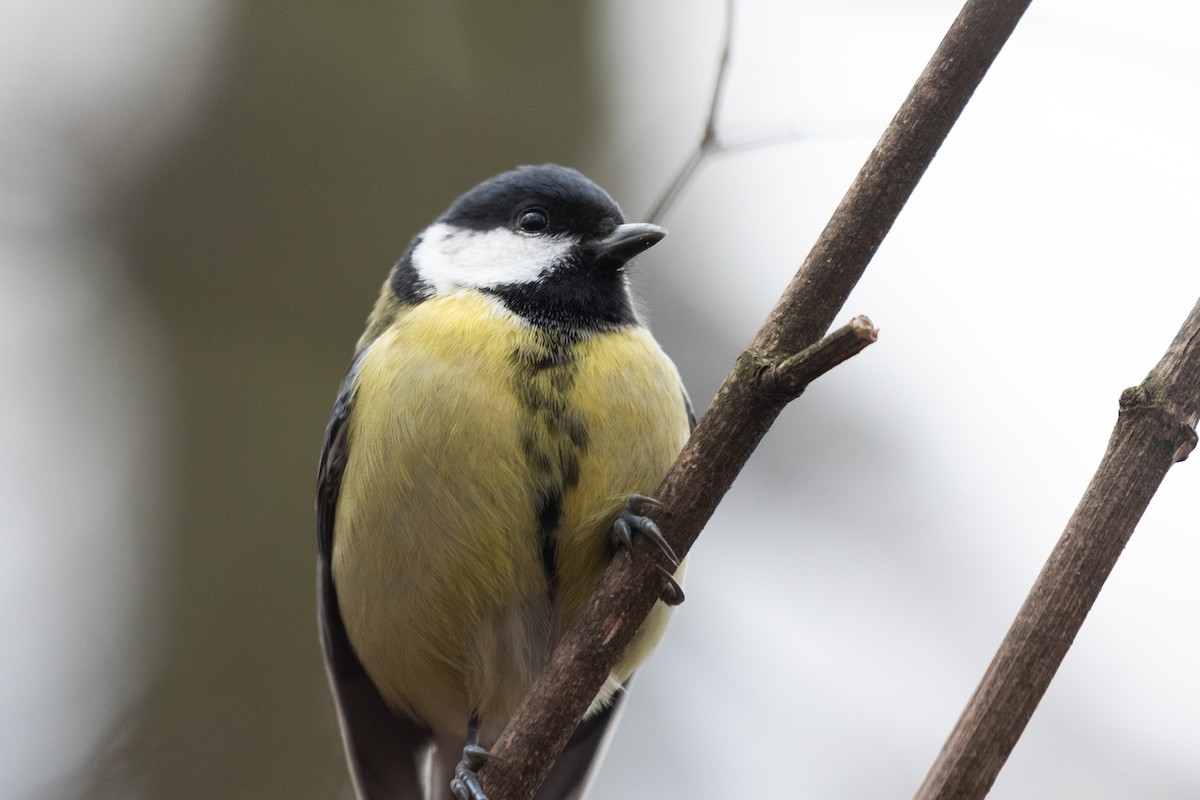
[(452, 259)]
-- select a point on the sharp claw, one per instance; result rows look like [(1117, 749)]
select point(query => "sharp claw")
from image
[(638, 503), (652, 532), (633, 519), (475, 756), (622, 534), (673, 589), (627, 522)]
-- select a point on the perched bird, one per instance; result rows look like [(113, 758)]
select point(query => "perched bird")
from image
[(503, 415)]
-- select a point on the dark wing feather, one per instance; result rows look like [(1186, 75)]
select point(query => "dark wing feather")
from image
[(691, 412), (383, 749)]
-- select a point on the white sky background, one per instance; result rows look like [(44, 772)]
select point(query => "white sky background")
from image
[(853, 587), (851, 590)]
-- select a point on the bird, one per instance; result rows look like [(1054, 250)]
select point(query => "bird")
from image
[(504, 421)]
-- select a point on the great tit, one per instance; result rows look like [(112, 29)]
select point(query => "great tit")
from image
[(501, 409)]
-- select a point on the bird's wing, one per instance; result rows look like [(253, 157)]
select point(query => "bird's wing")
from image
[(383, 749)]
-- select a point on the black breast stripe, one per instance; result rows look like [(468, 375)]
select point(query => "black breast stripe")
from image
[(553, 435)]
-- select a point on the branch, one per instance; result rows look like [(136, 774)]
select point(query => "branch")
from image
[(1156, 427), (708, 143), (742, 412), (786, 379), (714, 105), (585, 656)]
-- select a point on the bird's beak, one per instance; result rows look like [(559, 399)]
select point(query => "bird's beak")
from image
[(628, 240)]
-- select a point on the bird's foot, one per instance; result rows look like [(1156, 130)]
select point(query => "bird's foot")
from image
[(633, 519), (465, 784)]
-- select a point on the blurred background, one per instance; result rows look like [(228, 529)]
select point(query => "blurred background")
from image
[(199, 200)]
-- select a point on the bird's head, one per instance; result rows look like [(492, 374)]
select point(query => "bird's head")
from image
[(545, 240)]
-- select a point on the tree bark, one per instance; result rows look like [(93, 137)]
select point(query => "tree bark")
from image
[(742, 411), (1156, 427)]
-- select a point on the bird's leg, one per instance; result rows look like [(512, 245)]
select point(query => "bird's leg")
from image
[(633, 519), (465, 784)]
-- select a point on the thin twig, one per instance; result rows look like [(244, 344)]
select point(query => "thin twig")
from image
[(711, 143), (709, 138), (756, 142), (668, 196), (701, 154), (741, 413), (1156, 427)]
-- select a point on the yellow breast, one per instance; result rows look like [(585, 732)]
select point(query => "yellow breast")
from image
[(487, 461)]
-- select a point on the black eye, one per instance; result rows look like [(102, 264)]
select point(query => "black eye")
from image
[(533, 220)]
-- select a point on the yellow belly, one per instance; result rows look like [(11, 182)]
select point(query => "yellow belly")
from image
[(469, 429)]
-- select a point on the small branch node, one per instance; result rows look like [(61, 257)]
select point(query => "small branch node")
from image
[(1133, 396), (1151, 398), (1186, 446)]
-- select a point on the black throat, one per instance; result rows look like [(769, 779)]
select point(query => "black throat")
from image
[(571, 298)]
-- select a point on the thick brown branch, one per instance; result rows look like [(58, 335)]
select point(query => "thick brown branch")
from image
[(1155, 428), (741, 413)]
